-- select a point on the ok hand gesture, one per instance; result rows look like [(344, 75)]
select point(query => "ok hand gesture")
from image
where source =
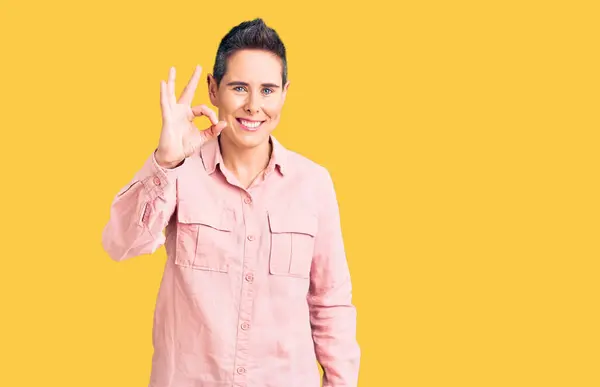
[(179, 137)]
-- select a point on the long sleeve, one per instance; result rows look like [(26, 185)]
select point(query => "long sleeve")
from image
[(333, 316), (140, 211)]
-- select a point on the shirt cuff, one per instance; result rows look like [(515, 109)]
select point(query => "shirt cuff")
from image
[(156, 179)]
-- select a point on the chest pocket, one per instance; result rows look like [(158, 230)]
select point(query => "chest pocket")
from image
[(205, 238), (292, 235)]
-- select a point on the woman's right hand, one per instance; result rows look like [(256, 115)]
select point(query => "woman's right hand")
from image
[(179, 137)]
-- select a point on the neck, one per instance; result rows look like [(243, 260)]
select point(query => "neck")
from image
[(245, 163)]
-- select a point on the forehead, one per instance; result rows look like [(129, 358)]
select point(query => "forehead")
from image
[(254, 66)]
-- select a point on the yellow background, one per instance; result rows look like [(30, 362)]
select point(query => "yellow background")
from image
[(462, 138)]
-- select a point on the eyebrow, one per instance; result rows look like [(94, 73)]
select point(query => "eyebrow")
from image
[(238, 83)]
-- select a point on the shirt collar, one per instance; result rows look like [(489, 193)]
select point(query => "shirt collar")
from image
[(211, 156)]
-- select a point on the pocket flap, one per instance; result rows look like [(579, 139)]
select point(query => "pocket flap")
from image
[(293, 221), (211, 216)]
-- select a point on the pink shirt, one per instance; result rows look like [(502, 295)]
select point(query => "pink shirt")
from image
[(256, 287)]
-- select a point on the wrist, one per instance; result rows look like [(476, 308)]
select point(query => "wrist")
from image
[(165, 164)]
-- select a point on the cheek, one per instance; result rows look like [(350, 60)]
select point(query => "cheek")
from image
[(272, 109), (231, 103)]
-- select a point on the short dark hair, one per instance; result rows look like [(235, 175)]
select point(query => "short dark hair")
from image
[(253, 34)]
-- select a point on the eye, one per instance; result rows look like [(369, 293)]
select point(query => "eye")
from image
[(267, 91), (239, 88)]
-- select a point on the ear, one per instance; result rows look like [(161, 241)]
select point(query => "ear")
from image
[(212, 90), (285, 90)]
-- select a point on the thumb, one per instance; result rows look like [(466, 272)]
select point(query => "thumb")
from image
[(214, 130), (195, 143), (201, 137), (218, 128)]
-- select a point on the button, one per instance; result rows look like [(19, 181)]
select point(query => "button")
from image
[(249, 277), (247, 200), (245, 326), (156, 181), (250, 238), (241, 370)]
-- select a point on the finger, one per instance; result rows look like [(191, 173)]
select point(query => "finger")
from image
[(190, 89), (171, 86), (218, 128), (164, 101), (203, 110), (214, 130)]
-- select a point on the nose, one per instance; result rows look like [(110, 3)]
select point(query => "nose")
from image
[(252, 104)]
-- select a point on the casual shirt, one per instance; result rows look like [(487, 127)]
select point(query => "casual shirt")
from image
[(256, 287)]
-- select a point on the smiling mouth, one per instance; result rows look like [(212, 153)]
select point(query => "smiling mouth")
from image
[(249, 125)]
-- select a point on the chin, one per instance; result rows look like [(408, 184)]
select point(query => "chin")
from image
[(249, 139)]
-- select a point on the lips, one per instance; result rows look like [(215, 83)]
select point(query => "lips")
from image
[(250, 125)]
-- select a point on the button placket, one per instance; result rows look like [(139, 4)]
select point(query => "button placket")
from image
[(252, 237)]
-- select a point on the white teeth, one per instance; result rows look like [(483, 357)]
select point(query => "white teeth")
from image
[(251, 124)]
